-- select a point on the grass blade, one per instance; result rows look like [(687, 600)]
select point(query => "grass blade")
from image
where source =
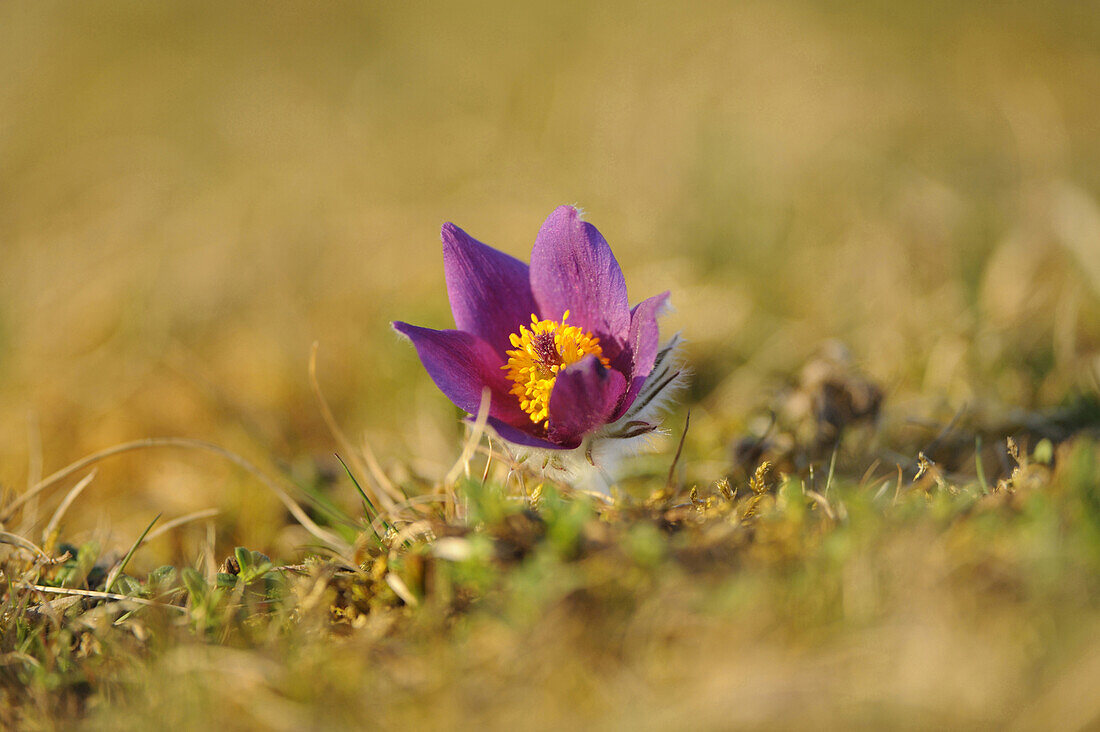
[(368, 507), (113, 576), (71, 496), (978, 464)]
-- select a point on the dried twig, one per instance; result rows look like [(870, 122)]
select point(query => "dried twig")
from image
[(679, 450), (55, 520), (98, 595)]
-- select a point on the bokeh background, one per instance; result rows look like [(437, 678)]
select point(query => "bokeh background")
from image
[(191, 194)]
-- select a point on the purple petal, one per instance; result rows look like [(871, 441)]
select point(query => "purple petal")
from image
[(572, 268), (641, 348), (490, 291), (461, 365), (584, 397), (519, 436)]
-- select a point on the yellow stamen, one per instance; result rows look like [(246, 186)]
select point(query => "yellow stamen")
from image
[(541, 352)]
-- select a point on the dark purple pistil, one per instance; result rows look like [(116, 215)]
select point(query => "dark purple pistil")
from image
[(547, 350)]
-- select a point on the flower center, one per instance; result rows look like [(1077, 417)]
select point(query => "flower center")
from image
[(541, 352)]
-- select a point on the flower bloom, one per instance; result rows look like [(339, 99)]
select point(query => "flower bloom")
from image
[(564, 356)]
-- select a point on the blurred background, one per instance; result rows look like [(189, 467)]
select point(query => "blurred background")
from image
[(191, 194)]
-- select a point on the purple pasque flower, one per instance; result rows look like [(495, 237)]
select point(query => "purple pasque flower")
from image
[(563, 354)]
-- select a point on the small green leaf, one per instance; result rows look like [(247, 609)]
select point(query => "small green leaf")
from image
[(1044, 452), (244, 558), (195, 584), (127, 585), (165, 575), (226, 580)]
